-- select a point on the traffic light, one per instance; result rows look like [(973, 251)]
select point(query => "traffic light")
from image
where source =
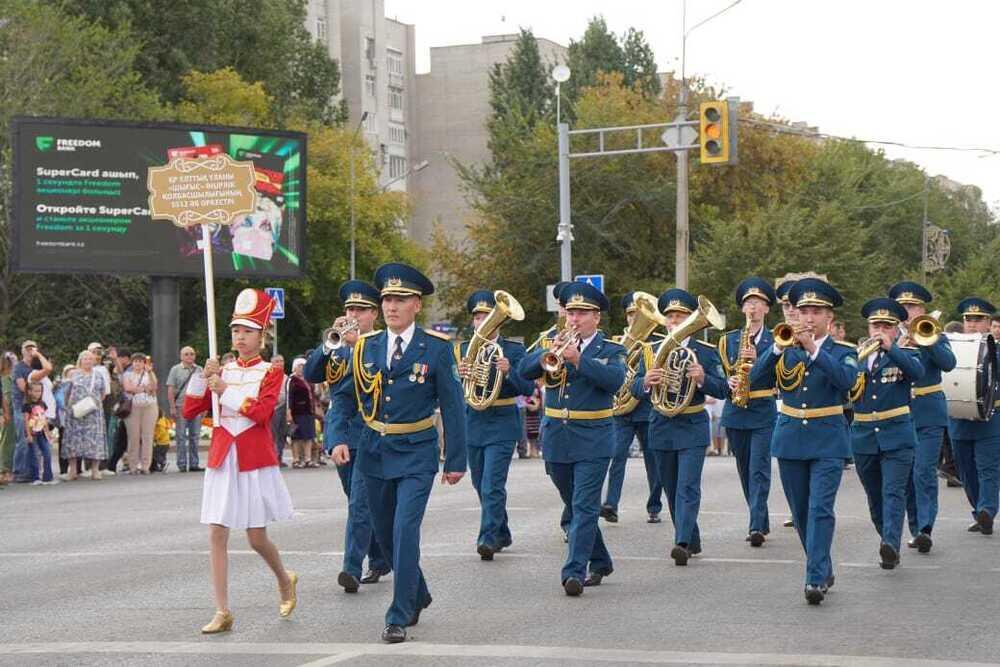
[(717, 136)]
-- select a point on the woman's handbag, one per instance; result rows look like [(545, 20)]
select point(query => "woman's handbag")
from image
[(87, 404)]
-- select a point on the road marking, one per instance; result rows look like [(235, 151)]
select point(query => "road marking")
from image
[(341, 652)]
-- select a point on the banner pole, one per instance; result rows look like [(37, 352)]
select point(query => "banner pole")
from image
[(213, 351)]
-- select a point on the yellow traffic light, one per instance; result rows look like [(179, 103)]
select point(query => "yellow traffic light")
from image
[(714, 135)]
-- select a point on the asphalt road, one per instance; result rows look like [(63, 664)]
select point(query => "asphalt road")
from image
[(116, 572)]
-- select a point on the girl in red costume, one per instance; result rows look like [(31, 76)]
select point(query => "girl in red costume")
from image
[(243, 485)]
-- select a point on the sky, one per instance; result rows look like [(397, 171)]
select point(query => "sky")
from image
[(919, 72)]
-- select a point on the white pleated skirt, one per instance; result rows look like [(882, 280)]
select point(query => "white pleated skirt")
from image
[(240, 500)]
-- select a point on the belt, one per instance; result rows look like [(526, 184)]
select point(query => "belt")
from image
[(880, 416), (923, 391), (503, 402), (565, 413), (401, 429), (694, 409), (763, 393), (812, 413)]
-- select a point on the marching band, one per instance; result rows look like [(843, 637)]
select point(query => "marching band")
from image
[(792, 393)]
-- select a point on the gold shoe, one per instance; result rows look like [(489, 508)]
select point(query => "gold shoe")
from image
[(286, 607), (221, 622)]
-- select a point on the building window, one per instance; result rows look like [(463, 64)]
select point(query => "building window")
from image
[(369, 123), (395, 98), (321, 30), (397, 166), (370, 51), (394, 62), (370, 85), (397, 133)]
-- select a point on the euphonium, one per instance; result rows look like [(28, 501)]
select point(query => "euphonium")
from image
[(333, 338), (647, 318), (676, 391), (741, 394), (481, 386), (552, 360)]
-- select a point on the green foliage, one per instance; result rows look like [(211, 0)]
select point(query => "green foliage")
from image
[(601, 51)]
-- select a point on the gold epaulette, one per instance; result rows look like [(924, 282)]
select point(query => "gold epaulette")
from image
[(370, 333), (458, 351), (908, 347), (437, 334), (846, 344), (705, 343)]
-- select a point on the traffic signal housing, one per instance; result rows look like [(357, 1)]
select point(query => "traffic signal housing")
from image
[(717, 131)]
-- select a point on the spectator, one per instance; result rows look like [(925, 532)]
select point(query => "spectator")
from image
[(714, 408), (83, 437), (838, 330), (533, 421), (995, 327), (187, 431), (279, 422), (97, 350), (139, 384), (302, 408), (38, 435), (161, 444), (117, 436), (8, 439), (227, 358), (23, 374), (60, 392)]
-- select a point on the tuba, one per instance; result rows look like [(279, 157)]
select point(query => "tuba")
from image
[(647, 318), (676, 392), (333, 337), (482, 385)]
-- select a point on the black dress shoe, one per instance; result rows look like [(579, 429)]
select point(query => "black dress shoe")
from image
[(609, 514), (348, 581), (756, 538), (889, 556), (654, 517), (922, 543), (694, 551), (485, 551), (196, 469), (504, 544), (595, 578), (827, 585), (985, 522), (373, 575), (573, 587), (680, 555), (814, 594), (974, 527), (394, 634), (416, 615), (565, 536), (788, 523)]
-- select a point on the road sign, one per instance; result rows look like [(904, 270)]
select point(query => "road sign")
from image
[(675, 137), (278, 294), (594, 280), (551, 304)]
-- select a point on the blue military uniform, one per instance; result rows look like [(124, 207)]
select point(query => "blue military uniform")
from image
[(491, 436), (882, 434), (929, 410), (629, 426), (810, 437), (976, 445), (679, 442), (331, 366), (578, 437), (749, 429), (397, 381)]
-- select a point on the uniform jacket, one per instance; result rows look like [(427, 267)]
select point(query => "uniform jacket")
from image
[(315, 371), (591, 386), (424, 379), (685, 431), (245, 411), (886, 387), (760, 412), (826, 381), (641, 414), (932, 409)]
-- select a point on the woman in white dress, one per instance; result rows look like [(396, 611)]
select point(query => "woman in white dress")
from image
[(243, 485)]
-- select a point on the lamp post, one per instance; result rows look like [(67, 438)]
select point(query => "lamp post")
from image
[(420, 166), (354, 139)]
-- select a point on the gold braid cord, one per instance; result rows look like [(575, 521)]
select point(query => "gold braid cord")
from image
[(723, 345), (336, 369), (789, 380), (857, 389), (365, 383)]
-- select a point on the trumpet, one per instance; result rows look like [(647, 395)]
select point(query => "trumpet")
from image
[(868, 346), (552, 360), (785, 333), (333, 338), (924, 330)]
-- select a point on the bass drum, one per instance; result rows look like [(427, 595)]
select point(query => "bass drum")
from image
[(971, 386)]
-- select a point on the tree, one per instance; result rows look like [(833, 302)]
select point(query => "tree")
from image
[(640, 64), (598, 51)]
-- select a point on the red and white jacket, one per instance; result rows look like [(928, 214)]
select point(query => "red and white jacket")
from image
[(246, 408)]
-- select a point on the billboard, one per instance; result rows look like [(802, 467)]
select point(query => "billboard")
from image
[(84, 191)]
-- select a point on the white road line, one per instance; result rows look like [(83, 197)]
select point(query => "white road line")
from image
[(340, 652)]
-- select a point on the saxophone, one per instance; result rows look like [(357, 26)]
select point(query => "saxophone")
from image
[(741, 394)]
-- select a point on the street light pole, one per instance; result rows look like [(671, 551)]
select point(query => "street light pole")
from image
[(565, 234), (354, 139)]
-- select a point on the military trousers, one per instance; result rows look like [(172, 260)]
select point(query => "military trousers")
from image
[(811, 490), (752, 450), (359, 538), (922, 487), (978, 463), (579, 485), (489, 466), (884, 477), (625, 432), (680, 472)]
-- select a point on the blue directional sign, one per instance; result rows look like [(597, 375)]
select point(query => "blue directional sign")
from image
[(278, 294), (594, 280)]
